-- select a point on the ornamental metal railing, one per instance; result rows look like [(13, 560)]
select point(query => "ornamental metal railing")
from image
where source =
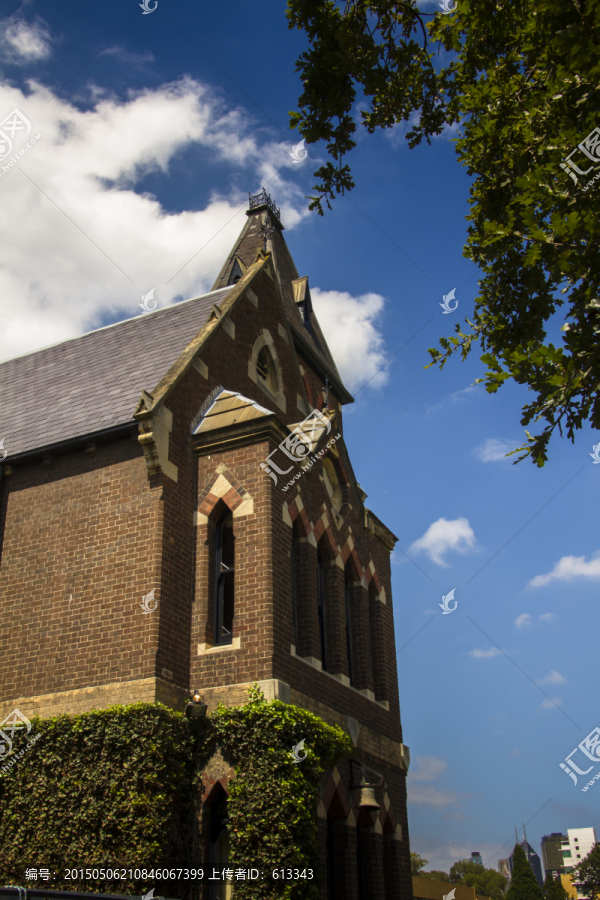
[(263, 199)]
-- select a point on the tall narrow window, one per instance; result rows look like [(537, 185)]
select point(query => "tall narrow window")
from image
[(321, 605), (330, 860), (349, 632), (360, 849), (294, 594), (219, 842), (224, 579)]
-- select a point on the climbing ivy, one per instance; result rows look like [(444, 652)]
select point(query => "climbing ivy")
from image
[(121, 788), (273, 799)]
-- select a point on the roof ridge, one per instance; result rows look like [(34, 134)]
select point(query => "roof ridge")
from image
[(115, 324)]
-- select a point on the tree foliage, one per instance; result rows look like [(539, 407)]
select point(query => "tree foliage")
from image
[(553, 888), (523, 884), (587, 874), (417, 864), (485, 881), (435, 875), (522, 80)]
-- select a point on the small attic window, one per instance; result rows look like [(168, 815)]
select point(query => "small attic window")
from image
[(236, 272), (265, 370)]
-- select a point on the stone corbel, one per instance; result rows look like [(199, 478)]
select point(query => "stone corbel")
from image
[(155, 426)]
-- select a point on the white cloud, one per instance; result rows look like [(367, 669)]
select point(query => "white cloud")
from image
[(24, 42), (80, 246), (494, 449), (569, 568), (427, 768), (485, 654), (348, 324), (526, 620), (428, 795), (444, 535), (551, 703), (454, 397), (553, 678)]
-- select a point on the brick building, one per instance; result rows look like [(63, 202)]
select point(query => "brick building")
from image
[(143, 459)]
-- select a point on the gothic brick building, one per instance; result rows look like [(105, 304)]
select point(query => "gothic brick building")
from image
[(144, 459)]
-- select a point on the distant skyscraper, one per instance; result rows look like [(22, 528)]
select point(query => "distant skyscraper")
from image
[(552, 856), (532, 857), (476, 858), (504, 869)]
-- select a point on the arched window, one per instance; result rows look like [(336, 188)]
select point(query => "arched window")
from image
[(378, 643), (220, 848), (224, 578), (348, 605), (266, 370), (330, 860), (321, 608), (332, 485), (294, 562)]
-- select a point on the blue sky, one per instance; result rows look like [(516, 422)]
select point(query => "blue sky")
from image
[(140, 179)]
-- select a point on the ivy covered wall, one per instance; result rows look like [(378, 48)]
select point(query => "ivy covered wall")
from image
[(122, 788)]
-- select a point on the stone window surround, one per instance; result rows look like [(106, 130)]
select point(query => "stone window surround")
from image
[(265, 340)]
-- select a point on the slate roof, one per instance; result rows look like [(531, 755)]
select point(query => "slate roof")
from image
[(93, 382)]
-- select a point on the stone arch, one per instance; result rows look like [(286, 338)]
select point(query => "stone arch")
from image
[(264, 342), (223, 485)]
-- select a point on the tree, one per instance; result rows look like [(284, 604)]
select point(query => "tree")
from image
[(523, 885), (553, 888), (435, 875), (587, 874), (485, 881), (417, 863), (523, 82)]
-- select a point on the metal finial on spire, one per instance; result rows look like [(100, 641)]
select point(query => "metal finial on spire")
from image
[(266, 229)]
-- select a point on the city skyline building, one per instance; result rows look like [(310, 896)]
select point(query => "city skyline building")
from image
[(575, 847), (532, 858), (552, 856)]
